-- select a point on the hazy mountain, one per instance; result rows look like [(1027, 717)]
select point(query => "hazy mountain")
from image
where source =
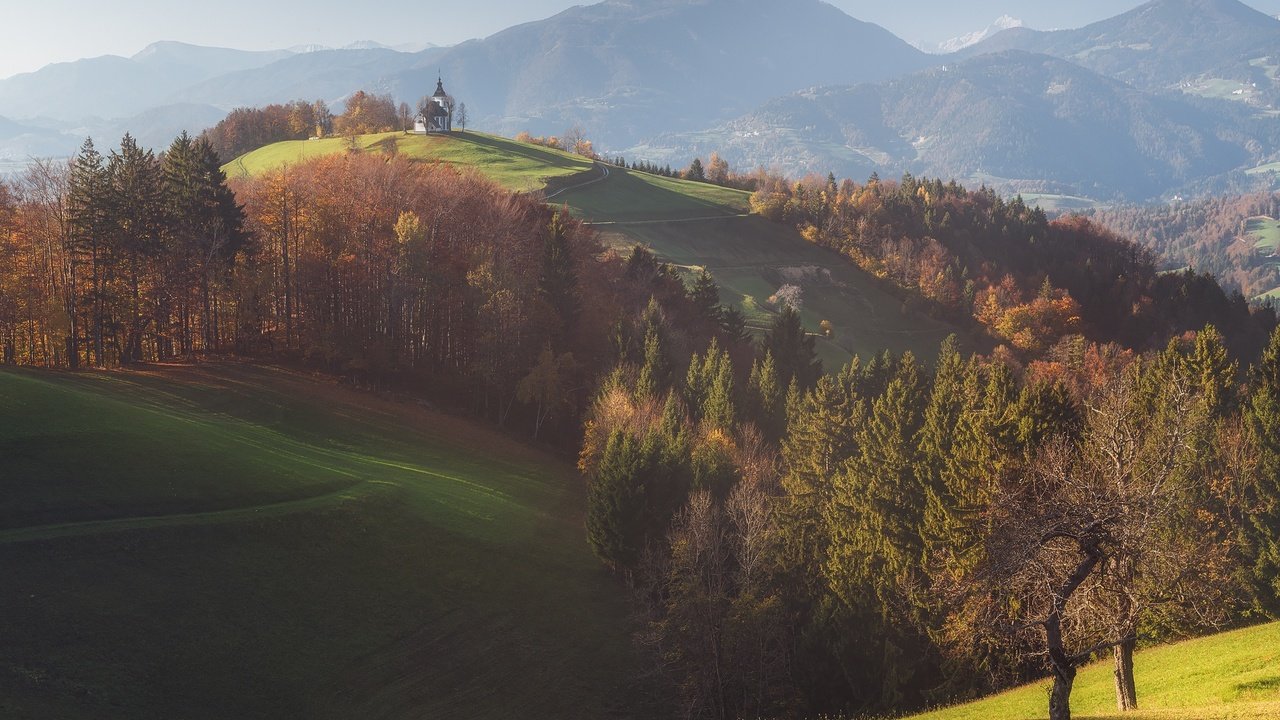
[(20, 141), (955, 44), (112, 86), (323, 74), (1013, 119), (1169, 44), (626, 69)]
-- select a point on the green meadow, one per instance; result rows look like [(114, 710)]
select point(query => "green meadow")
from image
[(696, 225), (232, 541), (517, 166), (1230, 676)]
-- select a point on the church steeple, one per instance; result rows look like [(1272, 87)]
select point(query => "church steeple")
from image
[(440, 88)]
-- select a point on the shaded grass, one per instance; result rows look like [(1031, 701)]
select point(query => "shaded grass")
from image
[(629, 196), (515, 166), (1230, 675), (751, 258), (325, 554)]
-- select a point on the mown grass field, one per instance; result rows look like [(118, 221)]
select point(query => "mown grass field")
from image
[(695, 225), (516, 166), (1230, 676), (251, 543), (1265, 232)]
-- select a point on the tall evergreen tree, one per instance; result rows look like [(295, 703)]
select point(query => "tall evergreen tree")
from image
[(792, 349), (1261, 531), (558, 282), (135, 210), (87, 221)]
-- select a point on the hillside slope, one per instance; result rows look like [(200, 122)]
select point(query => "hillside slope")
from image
[(1232, 676), (242, 542), (695, 226)]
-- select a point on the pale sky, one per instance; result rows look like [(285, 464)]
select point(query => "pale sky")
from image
[(34, 33)]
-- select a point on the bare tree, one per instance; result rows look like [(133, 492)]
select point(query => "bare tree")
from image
[(462, 116), (405, 117), (1099, 537)]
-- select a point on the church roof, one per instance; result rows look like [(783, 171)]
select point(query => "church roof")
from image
[(440, 88)]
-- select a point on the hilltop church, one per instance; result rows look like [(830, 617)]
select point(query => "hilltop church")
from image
[(437, 114)]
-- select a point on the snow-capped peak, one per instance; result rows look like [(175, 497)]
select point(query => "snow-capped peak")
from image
[(1004, 22)]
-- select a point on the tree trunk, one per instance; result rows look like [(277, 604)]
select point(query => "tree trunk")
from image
[(1126, 692), (1060, 696)]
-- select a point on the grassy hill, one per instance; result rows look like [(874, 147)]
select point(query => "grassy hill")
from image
[(691, 224), (514, 165), (245, 542), (1231, 676), (696, 225)]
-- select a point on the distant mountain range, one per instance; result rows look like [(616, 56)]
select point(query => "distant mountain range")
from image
[(1133, 107), (1013, 119), (1205, 47)]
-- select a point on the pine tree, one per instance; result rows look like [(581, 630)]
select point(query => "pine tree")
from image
[(1261, 531), (709, 387), (766, 403), (705, 296), (87, 220), (558, 282), (616, 502), (136, 222), (696, 171), (792, 349), (655, 374)]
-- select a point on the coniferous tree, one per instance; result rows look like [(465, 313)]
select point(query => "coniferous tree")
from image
[(558, 282), (695, 171), (1261, 529), (792, 349), (766, 399), (616, 502), (87, 221), (705, 296), (135, 209)]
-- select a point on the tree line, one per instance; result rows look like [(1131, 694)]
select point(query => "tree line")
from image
[(892, 535), (1002, 267), (379, 269)]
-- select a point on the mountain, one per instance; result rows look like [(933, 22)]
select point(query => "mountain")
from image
[(321, 74), (1207, 47), (955, 44), (112, 86), (627, 69), (19, 141), (1014, 119)]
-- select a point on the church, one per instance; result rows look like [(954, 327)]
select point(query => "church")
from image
[(437, 114)]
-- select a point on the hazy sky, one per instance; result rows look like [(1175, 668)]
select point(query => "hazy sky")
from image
[(38, 32)]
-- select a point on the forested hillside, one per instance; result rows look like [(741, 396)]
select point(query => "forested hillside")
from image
[(796, 539), (1225, 236)]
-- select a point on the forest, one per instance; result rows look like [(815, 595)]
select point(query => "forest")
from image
[(797, 541), (1003, 267)]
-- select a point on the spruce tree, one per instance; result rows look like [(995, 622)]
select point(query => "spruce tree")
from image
[(766, 402), (1261, 531), (705, 296), (793, 349), (616, 502), (87, 228), (558, 282)]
